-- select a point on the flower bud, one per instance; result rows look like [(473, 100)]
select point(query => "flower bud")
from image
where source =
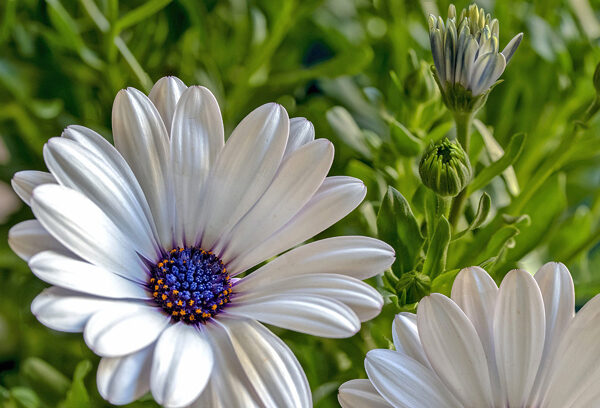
[(466, 55), (445, 168)]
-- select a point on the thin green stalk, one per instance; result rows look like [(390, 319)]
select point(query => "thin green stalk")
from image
[(463, 135)]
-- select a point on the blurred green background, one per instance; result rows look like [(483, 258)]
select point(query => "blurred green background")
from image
[(359, 70)]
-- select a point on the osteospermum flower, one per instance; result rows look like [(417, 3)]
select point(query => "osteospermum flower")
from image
[(145, 243), (466, 54), (520, 345)]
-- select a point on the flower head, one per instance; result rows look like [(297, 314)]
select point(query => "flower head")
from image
[(466, 56), (520, 345), (445, 168), (144, 243)]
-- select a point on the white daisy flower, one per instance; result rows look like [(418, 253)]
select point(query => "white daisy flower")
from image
[(520, 345), (466, 53), (144, 244)]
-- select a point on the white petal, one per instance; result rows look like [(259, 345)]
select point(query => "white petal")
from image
[(406, 338), (575, 372), (197, 137), (141, 137), (64, 271), (475, 292), (65, 310), (83, 228), (454, 350), (558, 293), (307, 314), (336, 197), (182, 364), (28, 238), (124, 328), (360, 394), (243, 171), (80, 169), (122, 380), (164, 95), (519, 329), (297, 180), (486, 71), (23, 182), (355, 256), (302, 132), (106, 152), (253, 368), (364, 300), (281, 382), (405, 383)]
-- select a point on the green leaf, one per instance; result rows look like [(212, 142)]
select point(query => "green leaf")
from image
[(483, 210), (443, 283), (435, 261), (77, 396), (515, 146), (404, 141), (397, 225), (345, 127), (141, 13), (25, 397), (44, 377), (497, 243)]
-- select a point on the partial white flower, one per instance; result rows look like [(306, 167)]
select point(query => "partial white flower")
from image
[(466, 50), (145, 243), (520, 345)]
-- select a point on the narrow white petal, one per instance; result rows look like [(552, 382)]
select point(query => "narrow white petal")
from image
[(406, 338), (124, 328), (122, 380), (164, 95), (65, 310), (475, 292), (360, 394), (80, 169), (81, 226), (197, 137), (355, 256), (364, 300), (28, 238), (405, 383), (23, 182), (297, 180), (243, 171), (182, 364), (519, 329), (302, 132), (64, 271), (574, 372), (307, 314), (141, 137), (511, 47), (558, 293), (454, 350), (335, 199)]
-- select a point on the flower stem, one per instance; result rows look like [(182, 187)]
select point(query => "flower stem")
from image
[(463, 135)]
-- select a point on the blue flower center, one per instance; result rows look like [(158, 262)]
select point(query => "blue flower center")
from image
[(190, 284)]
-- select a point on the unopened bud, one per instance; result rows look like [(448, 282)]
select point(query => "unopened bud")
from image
[(445, 168)]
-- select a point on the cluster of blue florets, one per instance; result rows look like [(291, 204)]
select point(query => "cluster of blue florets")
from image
[(190, 284)]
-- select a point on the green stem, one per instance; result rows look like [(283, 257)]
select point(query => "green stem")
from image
[(463, 135)]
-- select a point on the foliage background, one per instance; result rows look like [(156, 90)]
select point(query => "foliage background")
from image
[(62, 62)]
